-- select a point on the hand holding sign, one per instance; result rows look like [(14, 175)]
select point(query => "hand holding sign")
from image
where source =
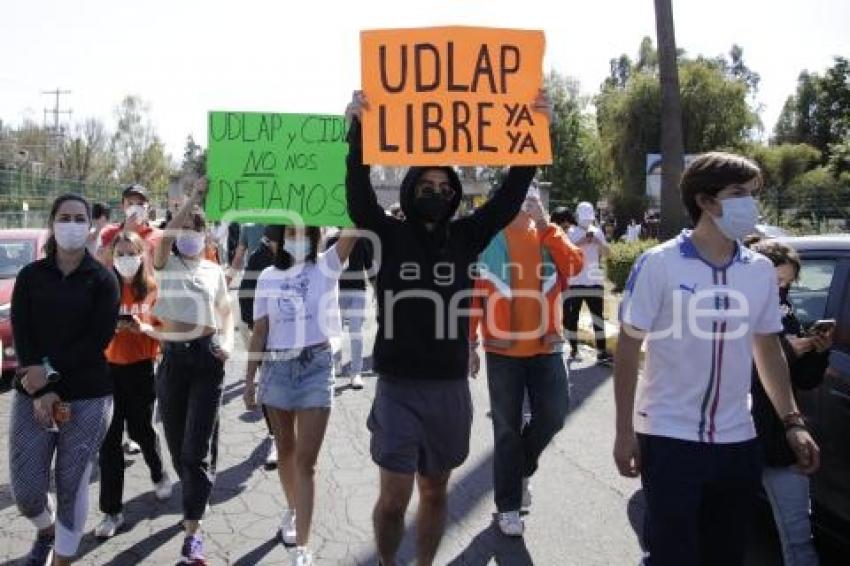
[(356, 106), (543, 103)]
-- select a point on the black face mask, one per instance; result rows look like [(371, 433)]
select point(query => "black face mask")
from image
[(433, 207)]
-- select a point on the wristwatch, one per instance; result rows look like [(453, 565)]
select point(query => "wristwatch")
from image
[(53, 376)]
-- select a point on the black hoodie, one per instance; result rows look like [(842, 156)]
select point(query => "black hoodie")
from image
[(423, 282)]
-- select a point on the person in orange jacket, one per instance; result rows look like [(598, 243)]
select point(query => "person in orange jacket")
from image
[(131, 355), (517, 305)]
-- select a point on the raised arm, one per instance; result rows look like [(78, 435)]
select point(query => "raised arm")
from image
[(163, 248), (345, 244), (363, 207), (567, 257), (497, 213)]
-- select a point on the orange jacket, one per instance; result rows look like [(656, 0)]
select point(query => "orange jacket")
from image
[(493, 293)]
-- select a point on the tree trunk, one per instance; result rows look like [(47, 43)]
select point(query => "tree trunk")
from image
[(672, 148)]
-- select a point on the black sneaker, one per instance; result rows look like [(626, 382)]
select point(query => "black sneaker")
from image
[(604, 359), (41, 552)]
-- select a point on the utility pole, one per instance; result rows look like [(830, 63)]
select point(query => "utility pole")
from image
[(56, 133)]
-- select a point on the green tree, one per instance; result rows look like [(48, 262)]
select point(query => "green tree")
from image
[(818, 195), (194, 158), (86, 156), (139, 153), (819, 112), (715, 114), (575, 172)]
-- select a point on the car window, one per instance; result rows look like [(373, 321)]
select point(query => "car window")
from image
[(14, 255), (810, 292)]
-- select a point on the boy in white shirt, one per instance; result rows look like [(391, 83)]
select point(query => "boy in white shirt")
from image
[(707, 307)]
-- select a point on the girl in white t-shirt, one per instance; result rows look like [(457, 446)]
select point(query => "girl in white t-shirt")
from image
[(296, 312)]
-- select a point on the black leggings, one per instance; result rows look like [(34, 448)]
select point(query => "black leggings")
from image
[(134, 398), (573, 299)]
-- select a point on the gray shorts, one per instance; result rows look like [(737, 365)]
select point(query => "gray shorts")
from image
[(420, 426)]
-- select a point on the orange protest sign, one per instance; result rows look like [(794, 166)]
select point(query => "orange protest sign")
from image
[(453, 95)]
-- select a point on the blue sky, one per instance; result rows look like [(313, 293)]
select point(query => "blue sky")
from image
[(187, 57)]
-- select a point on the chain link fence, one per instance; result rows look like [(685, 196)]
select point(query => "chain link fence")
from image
[(25, 198)]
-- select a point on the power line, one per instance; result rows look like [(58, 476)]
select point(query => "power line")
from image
[(57, 133)]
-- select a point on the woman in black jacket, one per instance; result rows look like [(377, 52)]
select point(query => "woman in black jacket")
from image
[(64, 313), (786, 487)]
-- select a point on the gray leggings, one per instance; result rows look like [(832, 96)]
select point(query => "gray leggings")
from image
[(76, 445)]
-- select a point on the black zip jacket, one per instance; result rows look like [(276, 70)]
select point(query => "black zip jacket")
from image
[(806, 373), (423, 282), (68, 320), (260, 258)]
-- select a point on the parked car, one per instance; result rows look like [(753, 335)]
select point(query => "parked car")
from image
[(823, 292), (17, 248), (770, 231)]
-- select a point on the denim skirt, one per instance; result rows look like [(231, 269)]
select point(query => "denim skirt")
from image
[(292, 380)]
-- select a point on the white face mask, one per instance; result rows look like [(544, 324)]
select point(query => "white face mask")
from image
[(584, 222), (190, 245), (71, 236), (128, 265), (740, 215), (298, 249), (140, 211)]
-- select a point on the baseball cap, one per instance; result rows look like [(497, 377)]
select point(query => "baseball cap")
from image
[(584, 211), (135, 189)]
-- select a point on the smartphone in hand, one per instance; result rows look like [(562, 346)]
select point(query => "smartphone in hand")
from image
[(824, 326)]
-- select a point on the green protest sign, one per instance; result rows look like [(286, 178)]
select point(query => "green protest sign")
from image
[(277, 168)]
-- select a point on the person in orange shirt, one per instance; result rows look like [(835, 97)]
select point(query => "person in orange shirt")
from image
[(517, 304), (131, 355)]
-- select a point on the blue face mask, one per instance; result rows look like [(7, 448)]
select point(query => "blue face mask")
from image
[(740, 215), (298, 249)]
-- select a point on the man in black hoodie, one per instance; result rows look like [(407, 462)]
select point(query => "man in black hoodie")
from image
[(421, 417)]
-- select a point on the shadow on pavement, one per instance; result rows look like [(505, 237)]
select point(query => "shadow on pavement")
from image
[(142, 549), (491, 545), (477, 483), (636, 509), (231, 482), (256, 556)]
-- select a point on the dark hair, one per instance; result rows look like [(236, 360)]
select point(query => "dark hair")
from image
[(99, 209), (50, 246), (142, 283), (563, 214), (712, 172), (779, 254), (283, 259)]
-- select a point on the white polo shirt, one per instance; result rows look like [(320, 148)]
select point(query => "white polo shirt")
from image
[(700, 320)]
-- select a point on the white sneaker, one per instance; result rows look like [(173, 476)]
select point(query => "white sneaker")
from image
[(163, 488), (511, 524), (271, 457), (356, 381), (109, 525), (302, 557), (526, 493), (131, 447), (287, 528)]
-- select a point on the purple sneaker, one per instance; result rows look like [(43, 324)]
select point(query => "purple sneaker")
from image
[(193, 551)]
